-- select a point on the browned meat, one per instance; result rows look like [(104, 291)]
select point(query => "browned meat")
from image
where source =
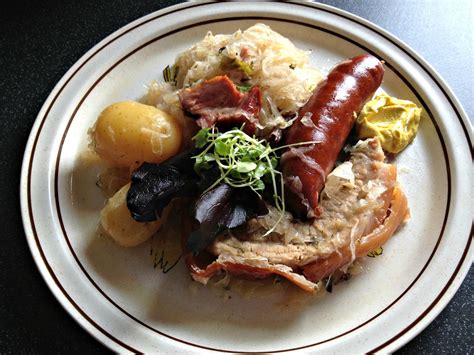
[(218, 102), (361, 207), (327, 118)]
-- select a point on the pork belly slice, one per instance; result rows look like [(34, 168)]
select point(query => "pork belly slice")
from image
[(361, 207)]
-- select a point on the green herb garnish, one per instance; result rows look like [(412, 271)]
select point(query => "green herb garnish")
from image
[(170, 74), (375, 253), (292, 66), (243, 161), (167, 73), (245, 87)]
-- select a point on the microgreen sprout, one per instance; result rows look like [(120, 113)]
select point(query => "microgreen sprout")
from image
[(243, 161)]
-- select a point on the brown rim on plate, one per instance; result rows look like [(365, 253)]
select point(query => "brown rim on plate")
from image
[(180, 29)]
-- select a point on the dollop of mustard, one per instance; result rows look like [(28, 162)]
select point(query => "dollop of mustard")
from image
[(393, 121)]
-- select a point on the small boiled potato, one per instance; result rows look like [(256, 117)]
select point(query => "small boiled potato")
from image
[(129, 133), (116, 221)]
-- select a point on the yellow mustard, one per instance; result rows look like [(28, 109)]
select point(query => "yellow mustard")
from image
[(393, 121)]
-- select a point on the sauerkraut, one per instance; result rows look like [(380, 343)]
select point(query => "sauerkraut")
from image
[(165, 97), (257, 56)]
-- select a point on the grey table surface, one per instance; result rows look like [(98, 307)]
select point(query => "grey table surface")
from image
[(40, 40)]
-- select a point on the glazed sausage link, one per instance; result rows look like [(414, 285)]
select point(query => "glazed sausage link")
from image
[(327, 118)]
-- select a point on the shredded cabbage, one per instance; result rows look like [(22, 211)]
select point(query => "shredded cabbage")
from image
[(272, 62), (165, 97)]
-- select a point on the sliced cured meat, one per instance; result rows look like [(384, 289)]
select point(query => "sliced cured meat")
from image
[(361, 207), (251, 269), (218, 102)]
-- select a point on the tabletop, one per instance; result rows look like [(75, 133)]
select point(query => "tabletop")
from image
[(40, 40)]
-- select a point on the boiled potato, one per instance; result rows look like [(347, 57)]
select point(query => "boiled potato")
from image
[(116, 221), (129, 133)]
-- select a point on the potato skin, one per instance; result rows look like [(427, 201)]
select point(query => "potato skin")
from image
[(129, 133), (116, 222)]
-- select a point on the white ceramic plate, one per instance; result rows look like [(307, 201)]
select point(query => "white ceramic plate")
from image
[(118, 297)]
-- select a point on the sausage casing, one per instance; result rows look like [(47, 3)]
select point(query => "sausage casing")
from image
[(327, 118)]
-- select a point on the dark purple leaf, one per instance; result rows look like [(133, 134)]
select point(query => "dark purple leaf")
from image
[(155, 185), (220, 209)]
